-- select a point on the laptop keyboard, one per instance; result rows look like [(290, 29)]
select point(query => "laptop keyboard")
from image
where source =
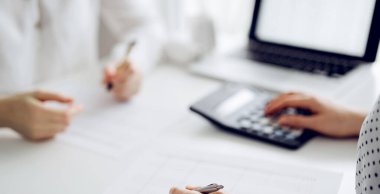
[(303, 61)]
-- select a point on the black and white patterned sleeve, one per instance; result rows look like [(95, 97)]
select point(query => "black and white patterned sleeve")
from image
[(368, 154)]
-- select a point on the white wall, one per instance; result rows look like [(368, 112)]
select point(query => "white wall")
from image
[(232, 18)]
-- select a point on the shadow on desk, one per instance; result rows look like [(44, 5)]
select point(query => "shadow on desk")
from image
[(198, 132)]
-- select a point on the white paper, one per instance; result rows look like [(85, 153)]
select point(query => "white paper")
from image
[(109, 127), (157, 172), (115, 132)]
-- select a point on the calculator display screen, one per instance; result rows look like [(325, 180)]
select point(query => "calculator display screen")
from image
[(234, 102)]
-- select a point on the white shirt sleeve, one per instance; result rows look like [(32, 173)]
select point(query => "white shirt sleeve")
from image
[(135, 20)]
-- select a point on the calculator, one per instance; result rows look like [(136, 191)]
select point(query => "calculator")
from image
[(240, 109)]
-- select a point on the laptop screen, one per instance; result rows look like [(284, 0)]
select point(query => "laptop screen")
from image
[(336, 26)]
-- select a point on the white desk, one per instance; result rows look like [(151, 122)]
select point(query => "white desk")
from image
[(56, 167)]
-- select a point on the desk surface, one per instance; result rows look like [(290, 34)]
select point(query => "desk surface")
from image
[(56, 167)]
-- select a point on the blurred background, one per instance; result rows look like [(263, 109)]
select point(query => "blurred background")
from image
[(230, 18)]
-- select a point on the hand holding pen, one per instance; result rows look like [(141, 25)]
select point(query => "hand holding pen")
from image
[(209, 189), (123, 81)]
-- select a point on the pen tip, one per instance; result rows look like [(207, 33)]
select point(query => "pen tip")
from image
[(109, 86), (133, 43)]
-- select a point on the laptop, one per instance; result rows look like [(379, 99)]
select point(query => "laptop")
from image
[(321, 47)]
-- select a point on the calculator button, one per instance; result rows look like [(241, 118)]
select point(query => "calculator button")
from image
[(245, 123), (290, 137), (268, 130), (279, 133), (254, 117), (296, 132), (291, 111), (256, 127), (264, 121), (251, 131), (274, 124), (285, 129)]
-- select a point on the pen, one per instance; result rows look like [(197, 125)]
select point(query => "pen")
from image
[(209, 188), (125, 64)]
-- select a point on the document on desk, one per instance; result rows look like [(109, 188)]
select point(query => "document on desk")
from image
[(116, 130), (157, 172), (109, 127)]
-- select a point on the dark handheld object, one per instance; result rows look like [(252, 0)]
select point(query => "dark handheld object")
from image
[(109, 86), (240, 109), (210, 188)]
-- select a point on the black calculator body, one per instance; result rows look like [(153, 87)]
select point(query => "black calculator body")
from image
[(240, 109)]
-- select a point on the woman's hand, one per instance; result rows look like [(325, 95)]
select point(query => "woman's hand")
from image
[(27, 115), (327, 118), (125, 80), (189, 190)]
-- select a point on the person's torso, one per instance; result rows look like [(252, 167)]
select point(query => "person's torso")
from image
[(368, 156), (45, 39)]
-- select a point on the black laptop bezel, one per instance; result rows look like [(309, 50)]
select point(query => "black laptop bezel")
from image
[(372, 42)]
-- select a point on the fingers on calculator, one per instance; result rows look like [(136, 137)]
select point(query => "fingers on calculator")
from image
[(250, 118), (291, 100)]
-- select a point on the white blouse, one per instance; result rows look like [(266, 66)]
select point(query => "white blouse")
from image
[(368, 158), (45, 39)]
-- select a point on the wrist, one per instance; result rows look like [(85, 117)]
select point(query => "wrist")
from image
[(355, 122), (4, 112)]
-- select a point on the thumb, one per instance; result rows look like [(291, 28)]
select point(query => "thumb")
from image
[(189, 187), (297, 121), (175, 190), (50, 96)]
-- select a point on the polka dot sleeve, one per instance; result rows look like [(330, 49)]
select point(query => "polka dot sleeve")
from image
[(368, 158)]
